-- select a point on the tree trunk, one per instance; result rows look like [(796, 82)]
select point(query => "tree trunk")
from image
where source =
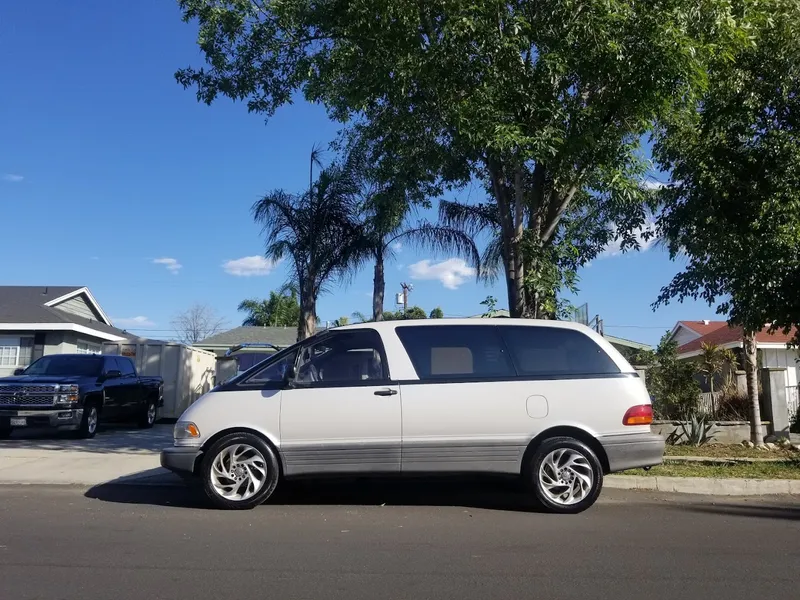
[(713, 402), (751, 372), (308, 311), (378, 289), (512, 257)]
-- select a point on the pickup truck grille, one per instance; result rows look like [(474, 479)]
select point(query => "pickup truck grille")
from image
[(27, 395)]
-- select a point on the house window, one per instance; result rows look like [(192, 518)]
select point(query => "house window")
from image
[(16, 351), (89, 348)]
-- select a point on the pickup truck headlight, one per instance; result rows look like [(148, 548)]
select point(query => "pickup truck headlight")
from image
[(185, 432), (67, 394)]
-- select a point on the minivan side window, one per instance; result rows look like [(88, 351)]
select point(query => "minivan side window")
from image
[(343, 358), (455, 351), (553, 351)]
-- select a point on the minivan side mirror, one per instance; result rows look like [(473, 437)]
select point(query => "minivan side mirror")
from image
[(291, 373), (113, 374), (19, 371)]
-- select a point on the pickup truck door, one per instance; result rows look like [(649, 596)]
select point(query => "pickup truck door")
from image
[(342, 413), (132, 392), (113, 391)]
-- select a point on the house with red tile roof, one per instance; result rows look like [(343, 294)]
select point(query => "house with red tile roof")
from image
[(772, 347)]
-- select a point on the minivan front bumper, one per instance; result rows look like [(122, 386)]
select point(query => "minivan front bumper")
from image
[(179, 459), (632, 451)]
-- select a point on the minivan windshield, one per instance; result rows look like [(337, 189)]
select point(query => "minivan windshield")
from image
[(64, 364)]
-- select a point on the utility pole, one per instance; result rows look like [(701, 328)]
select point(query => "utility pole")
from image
[(407, 287)]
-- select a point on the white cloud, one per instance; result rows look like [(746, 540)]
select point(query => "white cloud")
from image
[(653, 184), (172, 264), (452, 272), (12, 178), (397, 246), (133, 322), (248, 266), (615, 249)]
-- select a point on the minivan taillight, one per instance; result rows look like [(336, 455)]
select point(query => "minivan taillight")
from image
[(638, 415)]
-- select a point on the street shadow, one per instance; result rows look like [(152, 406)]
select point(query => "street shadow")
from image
[(477, 493), (110, 439), (761, 511)]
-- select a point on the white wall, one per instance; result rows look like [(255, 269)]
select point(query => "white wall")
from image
[(781, 357), (684, 336)]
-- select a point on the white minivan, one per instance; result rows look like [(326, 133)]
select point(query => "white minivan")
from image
[(551, 402)]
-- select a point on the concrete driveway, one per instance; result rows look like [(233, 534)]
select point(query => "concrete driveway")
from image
[(116, 454)]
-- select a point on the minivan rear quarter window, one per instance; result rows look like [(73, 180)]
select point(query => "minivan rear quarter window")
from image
[(455, 351), (552, 352)]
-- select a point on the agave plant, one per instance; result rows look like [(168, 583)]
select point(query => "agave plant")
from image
[(696, 432)]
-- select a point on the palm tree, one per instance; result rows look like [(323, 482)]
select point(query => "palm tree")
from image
[(318, 233), (280, 310), (712, 360), (385, 228)]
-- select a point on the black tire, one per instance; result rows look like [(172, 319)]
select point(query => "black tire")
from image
[(270, 465), (90, 421), (5, 432), (149, 416), (589, 466)]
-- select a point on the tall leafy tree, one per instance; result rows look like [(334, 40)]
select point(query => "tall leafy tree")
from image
[(317, 231), (543, 100), (733, 210), (281, 309)]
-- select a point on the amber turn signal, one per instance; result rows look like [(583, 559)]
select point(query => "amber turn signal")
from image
[(638, 415)]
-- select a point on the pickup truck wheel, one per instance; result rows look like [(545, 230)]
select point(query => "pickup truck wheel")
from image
[(150, 414), (91, 417), (240, 471), (566, 475)]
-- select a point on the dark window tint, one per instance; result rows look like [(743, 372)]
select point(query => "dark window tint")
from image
[(66, 364), (453, 351), (555, 351), (126, 366), (111, 364)]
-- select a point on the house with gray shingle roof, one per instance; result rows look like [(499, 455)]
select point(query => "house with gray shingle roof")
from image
[(39, 320)]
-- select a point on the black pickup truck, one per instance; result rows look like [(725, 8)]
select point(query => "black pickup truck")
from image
[(76, 391)]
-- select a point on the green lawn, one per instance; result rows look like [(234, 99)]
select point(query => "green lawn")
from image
[(734, 451), (781, 470)]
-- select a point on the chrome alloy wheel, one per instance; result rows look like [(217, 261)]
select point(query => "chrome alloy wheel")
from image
[(566, 476), (91, 420), (151, 414), (238, 472)]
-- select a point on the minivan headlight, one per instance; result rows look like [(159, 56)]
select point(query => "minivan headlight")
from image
[(185, 431)]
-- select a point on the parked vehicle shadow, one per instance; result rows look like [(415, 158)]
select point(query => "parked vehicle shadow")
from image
[(124, 439), (784, 512), (477, 493)]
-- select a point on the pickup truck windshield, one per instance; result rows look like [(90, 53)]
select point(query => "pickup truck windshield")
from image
[(80, 366)]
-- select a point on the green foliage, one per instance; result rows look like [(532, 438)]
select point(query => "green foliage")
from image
[(280, 310), (413, 312), (543, 100), (436, 313), (733, 212), (490, 302), (340, 322), (671, 383), (695, 432)]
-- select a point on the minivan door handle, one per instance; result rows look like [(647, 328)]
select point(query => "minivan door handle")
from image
[(385, 392)]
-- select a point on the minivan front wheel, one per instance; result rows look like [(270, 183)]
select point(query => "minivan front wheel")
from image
[(566, 475), (240, 471)]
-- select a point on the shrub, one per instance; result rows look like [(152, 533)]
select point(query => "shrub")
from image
[(795, 428)]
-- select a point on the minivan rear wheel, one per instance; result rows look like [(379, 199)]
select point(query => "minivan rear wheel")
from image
[(565, 475), (240, 471)]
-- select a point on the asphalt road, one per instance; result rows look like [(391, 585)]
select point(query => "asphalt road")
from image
[(428, 541)]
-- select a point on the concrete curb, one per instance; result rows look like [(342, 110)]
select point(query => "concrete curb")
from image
[(725, 460), (706, 485)]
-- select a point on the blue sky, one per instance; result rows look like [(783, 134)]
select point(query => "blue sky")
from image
[(107, 165)]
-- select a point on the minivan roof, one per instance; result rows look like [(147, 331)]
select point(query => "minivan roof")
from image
[(502, 322)]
